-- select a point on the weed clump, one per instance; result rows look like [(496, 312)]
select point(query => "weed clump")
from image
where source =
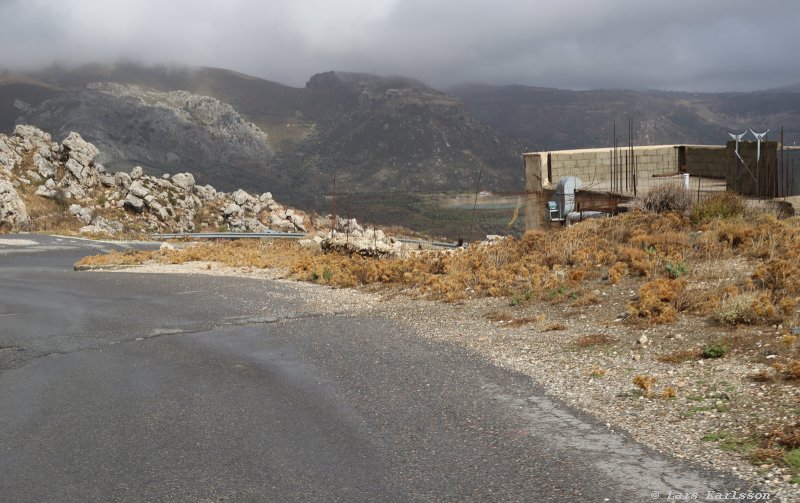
[(714, 350), (746, 308), (667, 197), (718, 206), (656, 301)]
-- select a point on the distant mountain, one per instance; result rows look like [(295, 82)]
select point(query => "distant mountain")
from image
[(372, 133), (551, 119)]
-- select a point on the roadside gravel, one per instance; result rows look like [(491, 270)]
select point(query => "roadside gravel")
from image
[(588, 357)]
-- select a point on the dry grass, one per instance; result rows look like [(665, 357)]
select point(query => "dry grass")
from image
[(593, 340), (672, 262)]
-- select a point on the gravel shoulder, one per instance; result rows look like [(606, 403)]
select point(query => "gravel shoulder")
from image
[(588, 356)]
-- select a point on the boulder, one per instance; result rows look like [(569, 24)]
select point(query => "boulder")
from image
[(43, 166), (108, 180), (44, 191), (102, 226), (232, 210), (123, 180), (82, 173), (133, 203), (79, 149), (241, 197), (138, 190), (136, 172), (205, 193), (13, 212), (184, 181)]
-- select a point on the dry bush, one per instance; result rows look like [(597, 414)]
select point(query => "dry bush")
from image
[(746, 308), (667, 197), (592, 340), (721, 205), (762, 376), (656, 300), (554, 327), (669, 392), (789, 371), (646, 383), (616, 272)]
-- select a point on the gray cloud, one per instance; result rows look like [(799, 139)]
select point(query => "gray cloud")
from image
[(682, 45)]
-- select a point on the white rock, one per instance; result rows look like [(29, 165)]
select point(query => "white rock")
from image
[(184, 181)]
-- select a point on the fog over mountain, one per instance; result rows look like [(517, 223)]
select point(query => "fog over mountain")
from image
[(713, 45)]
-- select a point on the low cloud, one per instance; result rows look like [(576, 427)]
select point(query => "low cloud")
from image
[(711, 45)]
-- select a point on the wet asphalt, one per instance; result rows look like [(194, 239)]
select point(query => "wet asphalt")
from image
[(138, 387)]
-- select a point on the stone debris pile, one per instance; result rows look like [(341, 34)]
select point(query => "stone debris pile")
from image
[(33, 166), (348, 237)]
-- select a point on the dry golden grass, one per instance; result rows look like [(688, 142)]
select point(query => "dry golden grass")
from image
[(562, 265)]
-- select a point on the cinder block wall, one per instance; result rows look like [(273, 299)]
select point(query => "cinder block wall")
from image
[(594, 165), (706, 161)]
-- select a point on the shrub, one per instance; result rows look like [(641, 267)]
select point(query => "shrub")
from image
[(667, 197), (714, 350), (747, 308), (656, 300), (721, 205), (646, 383), (677, 269)]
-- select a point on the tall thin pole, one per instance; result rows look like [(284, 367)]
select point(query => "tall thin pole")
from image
[(475, 205)]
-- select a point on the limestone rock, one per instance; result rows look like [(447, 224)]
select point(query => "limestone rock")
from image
[(241, 197), (184, 181), (371, 243), (136, 172), (134, 203), (138, 190), (123, 180), (79, 149), (13, 212)]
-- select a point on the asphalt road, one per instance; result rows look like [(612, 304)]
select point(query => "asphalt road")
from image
[(138, 387)]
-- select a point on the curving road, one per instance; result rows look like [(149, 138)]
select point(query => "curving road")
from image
[(138, 387)]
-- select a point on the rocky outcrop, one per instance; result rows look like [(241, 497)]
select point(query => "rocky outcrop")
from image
[(110, 203), (13, 213), (350, 238), (163, 130)]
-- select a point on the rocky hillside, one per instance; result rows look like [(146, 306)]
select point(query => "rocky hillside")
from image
[(372, 133), (560, 119), (160, 131), (383, 134), (47, 185)]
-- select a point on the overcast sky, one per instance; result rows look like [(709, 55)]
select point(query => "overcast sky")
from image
[(705, 45)]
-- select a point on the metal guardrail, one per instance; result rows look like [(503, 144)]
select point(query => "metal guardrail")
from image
[(279, 235), (435, 244), (230, 235)]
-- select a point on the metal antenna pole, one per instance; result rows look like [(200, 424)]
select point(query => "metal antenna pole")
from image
[(760, 137)]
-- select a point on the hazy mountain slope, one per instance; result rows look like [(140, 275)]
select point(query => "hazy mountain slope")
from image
[(378, 134), (559, 119), (372, 133), (161, 131)]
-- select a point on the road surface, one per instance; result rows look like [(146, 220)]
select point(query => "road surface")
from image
[(138, 387)]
